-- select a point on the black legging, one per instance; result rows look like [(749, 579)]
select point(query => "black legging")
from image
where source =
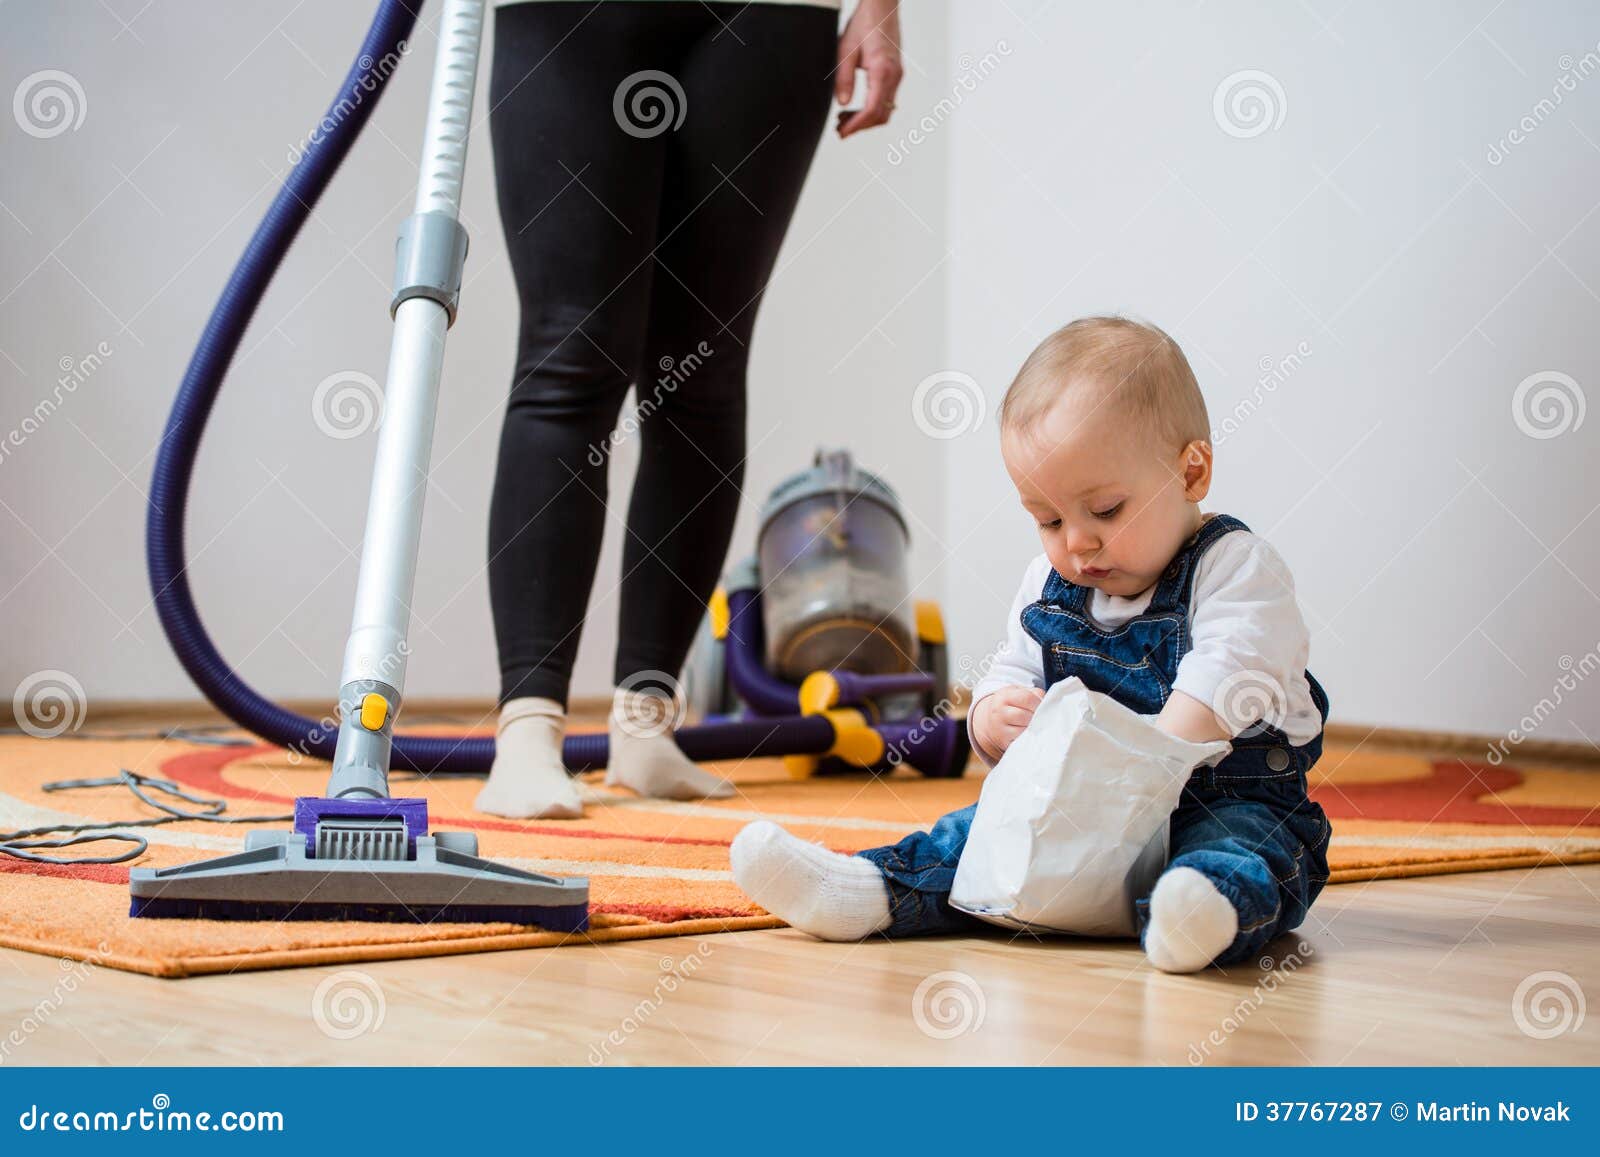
[(636, 253)]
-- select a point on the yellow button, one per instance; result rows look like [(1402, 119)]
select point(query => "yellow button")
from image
[(374, 711), (719, 613)]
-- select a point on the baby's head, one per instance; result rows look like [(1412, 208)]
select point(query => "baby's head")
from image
[(1104, 432)]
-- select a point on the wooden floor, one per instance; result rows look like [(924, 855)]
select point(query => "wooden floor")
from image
[(1403, 971)]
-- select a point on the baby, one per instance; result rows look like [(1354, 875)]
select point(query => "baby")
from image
[(1185, 617)]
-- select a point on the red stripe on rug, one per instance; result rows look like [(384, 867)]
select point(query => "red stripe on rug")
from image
[(667, 913), (1451, 793), (99, 873)]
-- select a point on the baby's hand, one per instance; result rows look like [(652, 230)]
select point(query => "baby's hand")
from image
[(1002, 716)]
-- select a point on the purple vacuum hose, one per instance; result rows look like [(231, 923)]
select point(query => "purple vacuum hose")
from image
[(768, 694), (180, 444), (764, 692)]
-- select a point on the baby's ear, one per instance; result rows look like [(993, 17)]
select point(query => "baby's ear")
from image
[(1194, 467)]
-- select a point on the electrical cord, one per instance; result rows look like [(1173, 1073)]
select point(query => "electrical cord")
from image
[(198, 735), (18, 844)]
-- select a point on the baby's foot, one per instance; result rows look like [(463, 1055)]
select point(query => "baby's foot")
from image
[(528, 779), (645, 757), (1191, 923), (829, 895)]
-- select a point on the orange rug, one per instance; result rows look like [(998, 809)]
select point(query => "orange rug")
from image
[(659, 868)]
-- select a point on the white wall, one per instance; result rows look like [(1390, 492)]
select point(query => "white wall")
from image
[(1446, 561), (124, 230)]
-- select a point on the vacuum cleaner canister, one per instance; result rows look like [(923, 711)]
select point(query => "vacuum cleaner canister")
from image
[(352, 859), (832, 550)]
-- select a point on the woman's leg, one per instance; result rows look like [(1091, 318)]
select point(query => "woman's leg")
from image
[(756, 96), (579, 200)]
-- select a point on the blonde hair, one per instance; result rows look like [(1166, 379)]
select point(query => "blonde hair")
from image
[(1128, 364)]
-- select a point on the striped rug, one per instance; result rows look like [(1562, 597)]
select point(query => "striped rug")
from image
[(660, 868)]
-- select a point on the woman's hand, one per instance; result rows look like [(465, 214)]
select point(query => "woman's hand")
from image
[(1001, 716), (871, 42)]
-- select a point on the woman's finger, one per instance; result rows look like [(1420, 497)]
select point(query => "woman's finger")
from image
[(893, 71), (844, 77)]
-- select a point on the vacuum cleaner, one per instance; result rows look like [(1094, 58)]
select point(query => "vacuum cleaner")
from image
[(356, 852), (820, 620)]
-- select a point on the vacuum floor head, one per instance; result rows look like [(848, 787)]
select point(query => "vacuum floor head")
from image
[(360, 860)]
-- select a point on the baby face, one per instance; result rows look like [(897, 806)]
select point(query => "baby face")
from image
[(1112, 504)]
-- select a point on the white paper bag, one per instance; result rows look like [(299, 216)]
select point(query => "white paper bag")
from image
[(1071, 826)]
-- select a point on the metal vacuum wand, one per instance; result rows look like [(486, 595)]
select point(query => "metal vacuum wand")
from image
[(356, 853), (429, 256)]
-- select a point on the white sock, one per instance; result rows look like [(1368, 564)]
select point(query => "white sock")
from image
[(646, 758), (1191, 923), (829, 895), (528, 778)]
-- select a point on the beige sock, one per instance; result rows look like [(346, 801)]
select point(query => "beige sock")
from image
[(646, 758), (528, 779)]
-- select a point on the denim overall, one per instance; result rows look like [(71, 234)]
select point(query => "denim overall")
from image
[(1246, 824)]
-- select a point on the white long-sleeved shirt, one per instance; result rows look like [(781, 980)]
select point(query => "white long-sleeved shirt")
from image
[(1247, 634)]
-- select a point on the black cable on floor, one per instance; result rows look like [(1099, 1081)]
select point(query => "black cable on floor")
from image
[(184, 734), (17, 844)]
